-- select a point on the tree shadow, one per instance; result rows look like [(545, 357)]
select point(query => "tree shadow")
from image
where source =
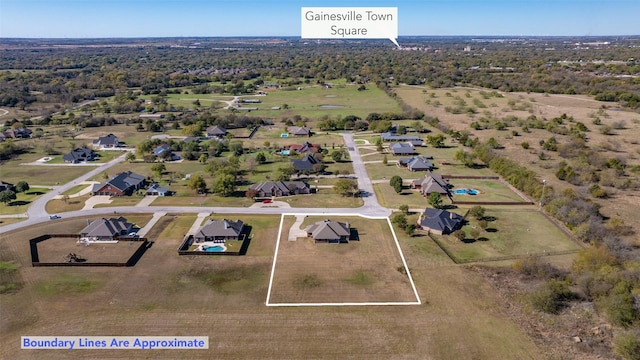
[(490, 218), (19, 203), (482, 238), (35, 193), (491, 230), (468, 241)]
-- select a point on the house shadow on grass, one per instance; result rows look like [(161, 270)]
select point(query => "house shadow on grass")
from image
[(133, 260), (246, 231), (354, 236)]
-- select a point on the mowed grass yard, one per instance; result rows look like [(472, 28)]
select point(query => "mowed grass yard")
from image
[(513, 232), (489, 190), (199, 295), (368, 270), (22, 201)]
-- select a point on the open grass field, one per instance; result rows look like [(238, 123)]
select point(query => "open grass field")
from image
[(367, 270), (513, 232), (55, 250), (42, 175), (167, 294)]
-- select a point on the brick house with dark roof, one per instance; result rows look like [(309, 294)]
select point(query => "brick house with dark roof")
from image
[(219, 231), (431, 183), (440, 221), (281, 188), (122, 184), (305, 147)]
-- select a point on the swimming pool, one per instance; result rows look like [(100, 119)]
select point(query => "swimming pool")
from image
[(465, 191), (214, 248)]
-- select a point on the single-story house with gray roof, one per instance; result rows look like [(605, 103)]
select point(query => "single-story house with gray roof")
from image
[(401, 149), (329, 231), (219, 231), (107, 229), (440, 221), (281, 188)]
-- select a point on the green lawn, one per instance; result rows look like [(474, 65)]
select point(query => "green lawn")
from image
[(490, 190), (74, 190), (389, 198), (22, 201), (514, 232), (76, 203)]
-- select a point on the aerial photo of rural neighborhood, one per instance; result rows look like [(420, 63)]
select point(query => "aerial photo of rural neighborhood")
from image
[(456, 197)]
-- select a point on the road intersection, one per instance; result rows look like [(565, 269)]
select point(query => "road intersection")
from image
[(37, 212)]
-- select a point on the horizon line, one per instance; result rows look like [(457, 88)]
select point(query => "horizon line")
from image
[(299, 37)]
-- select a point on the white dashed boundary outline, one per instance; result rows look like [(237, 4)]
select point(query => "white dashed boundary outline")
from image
[(395, 238)]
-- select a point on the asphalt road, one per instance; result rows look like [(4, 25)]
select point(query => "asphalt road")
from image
[(37, 213)]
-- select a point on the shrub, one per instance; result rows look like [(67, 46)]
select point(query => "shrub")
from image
[(597, 191), (525, 145), (627, 345), (549, 297), (477, 212), (533, 266), (619, 308)]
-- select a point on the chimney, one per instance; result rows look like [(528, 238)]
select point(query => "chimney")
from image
[(451, 215)]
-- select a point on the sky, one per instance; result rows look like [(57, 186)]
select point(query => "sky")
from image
[(213, 18)]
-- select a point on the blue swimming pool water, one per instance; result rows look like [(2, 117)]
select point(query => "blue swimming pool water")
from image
[(285, 152), (465, 191), (215, 248)]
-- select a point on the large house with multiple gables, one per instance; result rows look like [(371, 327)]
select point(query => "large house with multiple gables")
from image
[(281, 188), (440, 221), (106, 229), (79, 155), (123, 184), (329, 231), (431, 183), (219, 231), (106, 142)]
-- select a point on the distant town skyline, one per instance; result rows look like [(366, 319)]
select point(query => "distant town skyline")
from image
[(215, 18)]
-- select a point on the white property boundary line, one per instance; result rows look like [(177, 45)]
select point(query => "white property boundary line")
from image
[(395, 238)]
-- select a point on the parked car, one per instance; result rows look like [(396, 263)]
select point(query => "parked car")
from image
[(53, 217), (267, 201)]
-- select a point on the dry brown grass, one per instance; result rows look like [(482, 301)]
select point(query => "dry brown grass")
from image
[(368, 270), (223, 298)]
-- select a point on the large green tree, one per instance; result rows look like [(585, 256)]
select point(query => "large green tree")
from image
[(22, 186), (346, 187), (198, 184), (224, 185), (435, 200), (7, 196)]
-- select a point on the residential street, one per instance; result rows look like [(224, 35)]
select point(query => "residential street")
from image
[(37, 213)]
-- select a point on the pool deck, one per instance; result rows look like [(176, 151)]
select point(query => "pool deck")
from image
[(202, 245)]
